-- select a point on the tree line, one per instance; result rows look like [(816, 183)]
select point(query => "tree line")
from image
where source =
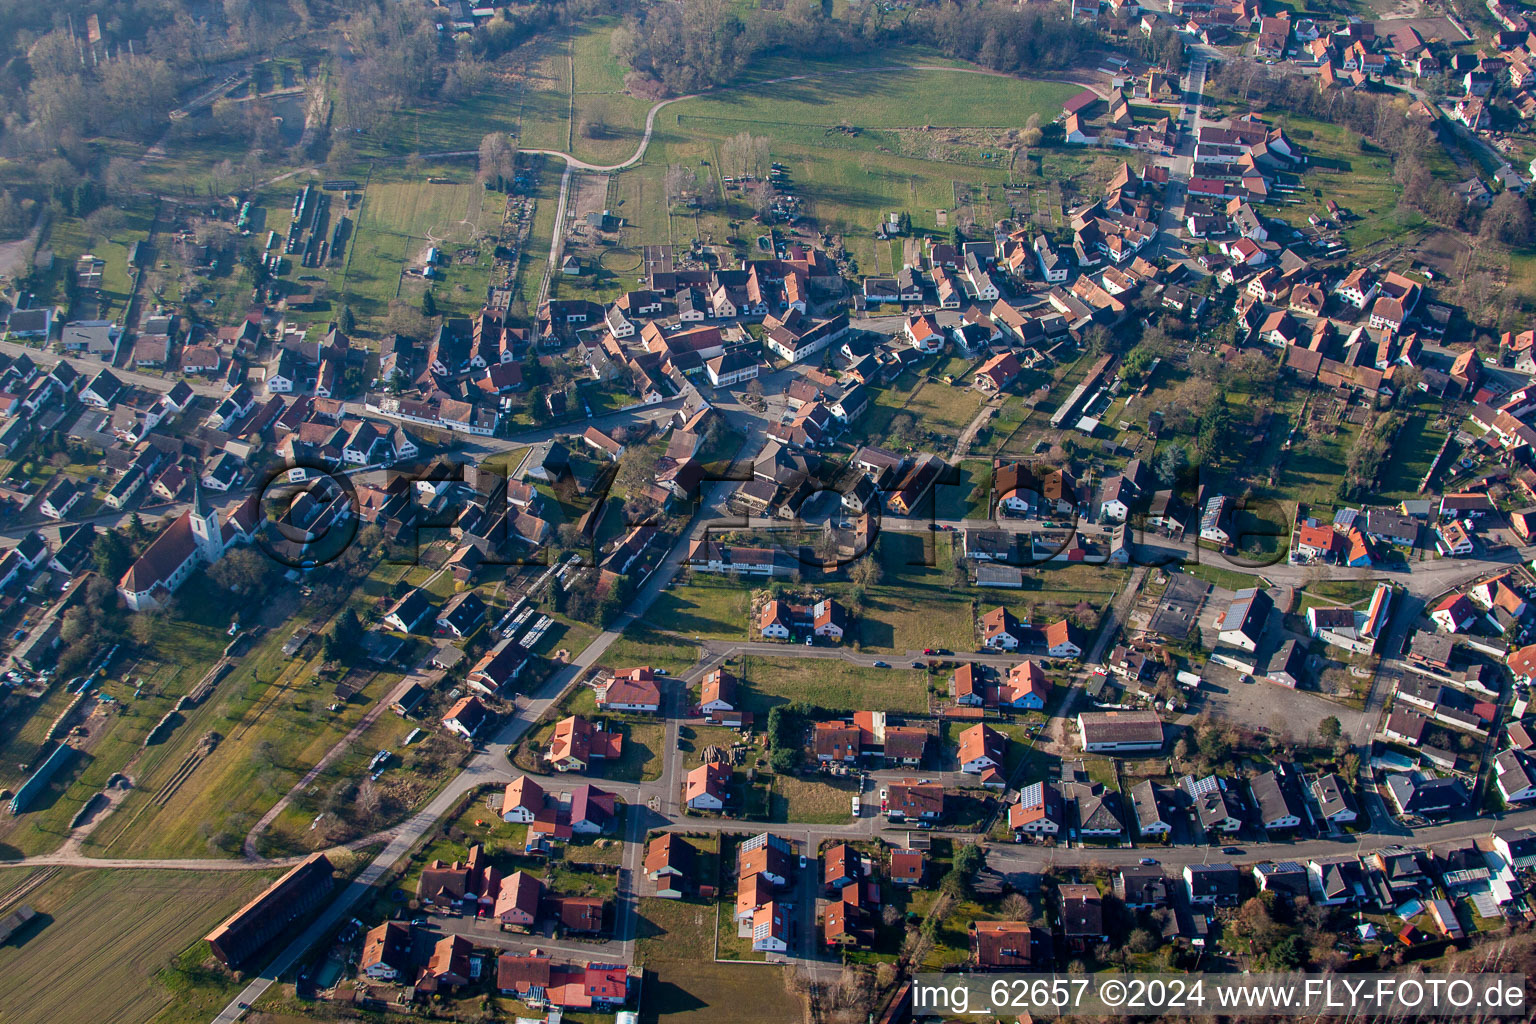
[(1383, 123), (702, 44)]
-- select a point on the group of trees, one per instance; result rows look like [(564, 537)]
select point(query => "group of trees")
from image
[(786, 733), (1382, 124), (344, 636), (90, 627), (700, 44), (687, 47), (1368, 454), (1003, 37), (587, 600)]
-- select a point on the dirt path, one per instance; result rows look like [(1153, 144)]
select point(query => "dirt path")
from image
[(342, 746), (963, 442)]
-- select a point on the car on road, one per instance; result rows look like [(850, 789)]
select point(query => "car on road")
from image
[(1230, 850), (918, 664), (881, 664), (1148, 861), (802, 862), (929, 650)]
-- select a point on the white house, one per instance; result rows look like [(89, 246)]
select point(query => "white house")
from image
[(1516, 775)]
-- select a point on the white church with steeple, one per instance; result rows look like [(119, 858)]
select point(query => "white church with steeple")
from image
[(196, 537)]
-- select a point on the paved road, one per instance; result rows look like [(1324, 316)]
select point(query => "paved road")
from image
[(489, 765), (1035, 859), (89, 368), (1424, 578)]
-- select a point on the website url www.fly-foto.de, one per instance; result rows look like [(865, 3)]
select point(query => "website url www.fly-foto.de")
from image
[(1404, 995)]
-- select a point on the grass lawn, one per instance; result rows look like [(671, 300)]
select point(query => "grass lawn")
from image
[(1102, 771), (566, 881), (642, 755), (1411, 455), (966, 498), (856, 146), (951, 941), (833, 684), (643, 647), (273, 719), (1342, 591), (596, 849), (702, 992), (674, 930), (940, 411), (565, 634), (69, 237), (1052, 591), (481, 824), (83, 963), (730, 944), (1312, 473), (399, 221), (608, 121), (875, 99), (1352, 172), (707, 605), (813, 801), (534, 105), (1229, 579)]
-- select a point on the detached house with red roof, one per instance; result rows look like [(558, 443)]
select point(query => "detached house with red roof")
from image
[(522, 801), (998, 372), (517, 904), (670, 863), (1317, 541), (925, 334), (1454, 613), (1026, 687), (1000, 630), (1059, 642), (635, 691), (1002, 945), (908, 867), (836, 741), (577, 742), (707, 787), (910, 800), (449, 966), (981, 748)]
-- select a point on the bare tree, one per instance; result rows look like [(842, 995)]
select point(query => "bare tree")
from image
[(744, 153), (763, 196), (680, 180), (367, 800), (498, 160)]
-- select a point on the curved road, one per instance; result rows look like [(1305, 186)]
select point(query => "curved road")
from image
[(489, 764), (573, 163)]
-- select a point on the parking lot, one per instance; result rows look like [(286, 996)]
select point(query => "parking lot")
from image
[(1269, 707)]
